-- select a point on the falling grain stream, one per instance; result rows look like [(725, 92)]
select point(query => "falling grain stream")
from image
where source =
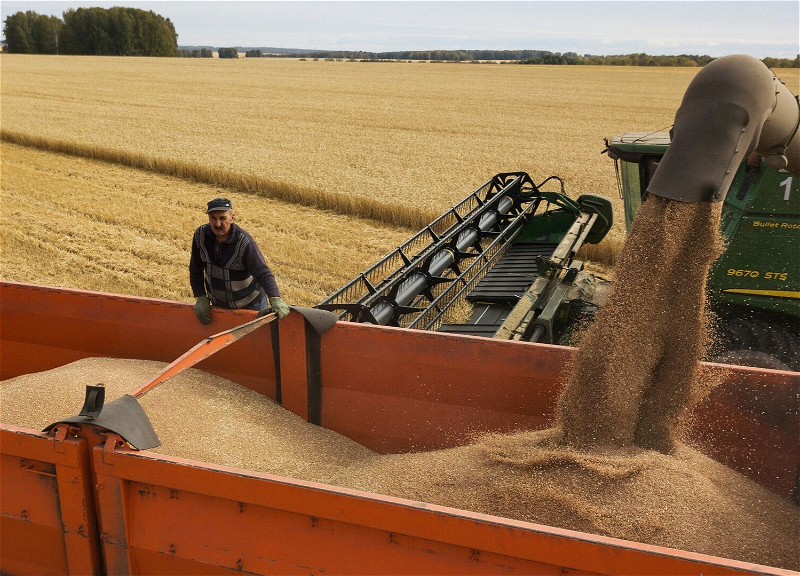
[(638, 363), (611, 465)]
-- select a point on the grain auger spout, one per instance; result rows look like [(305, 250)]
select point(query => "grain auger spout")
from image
[(733, 107)]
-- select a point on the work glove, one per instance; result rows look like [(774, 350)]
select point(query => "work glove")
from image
[(279, 306), (202, 309)]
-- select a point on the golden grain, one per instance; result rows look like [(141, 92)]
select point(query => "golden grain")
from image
[(418, 136), (684, 500), (382, 212)]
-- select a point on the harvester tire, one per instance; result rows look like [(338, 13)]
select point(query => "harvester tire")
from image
[(760, 343), (751, 358)]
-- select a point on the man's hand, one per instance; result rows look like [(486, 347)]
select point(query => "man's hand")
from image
[(279, 306), (202, 309)]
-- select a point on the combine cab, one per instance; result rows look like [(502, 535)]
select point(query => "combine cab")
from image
[(754, 287)]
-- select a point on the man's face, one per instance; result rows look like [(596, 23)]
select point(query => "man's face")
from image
[(220, 221)]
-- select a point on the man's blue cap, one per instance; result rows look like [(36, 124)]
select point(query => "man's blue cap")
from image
[(219, 204)]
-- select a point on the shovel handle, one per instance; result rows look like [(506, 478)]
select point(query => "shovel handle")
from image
[(203, 350)]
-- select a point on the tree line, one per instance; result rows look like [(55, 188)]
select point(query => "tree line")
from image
[(113, 31), (537, 57), (121, 31), (199, 53)]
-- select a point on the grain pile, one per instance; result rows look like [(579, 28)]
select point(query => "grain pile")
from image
[(683, 500), (196, 415)]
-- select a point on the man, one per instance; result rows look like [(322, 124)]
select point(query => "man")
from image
[(227, 269)]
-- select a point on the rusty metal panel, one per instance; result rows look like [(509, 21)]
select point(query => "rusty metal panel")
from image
[(395, 390), (390, 389), (47, 524), (42, 328), (172, 516)]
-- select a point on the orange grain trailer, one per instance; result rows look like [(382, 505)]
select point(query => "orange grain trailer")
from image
[(90, 504)]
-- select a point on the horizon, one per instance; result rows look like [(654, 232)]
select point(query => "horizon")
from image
[(658, 28)]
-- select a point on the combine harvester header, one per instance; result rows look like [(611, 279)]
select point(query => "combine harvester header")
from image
[(507, 249)]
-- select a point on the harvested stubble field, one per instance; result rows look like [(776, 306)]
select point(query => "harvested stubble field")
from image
[(86, 224), (396, 143)]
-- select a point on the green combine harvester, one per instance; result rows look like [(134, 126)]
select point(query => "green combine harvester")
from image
[(754, 286), (501, 263), (508, 251)]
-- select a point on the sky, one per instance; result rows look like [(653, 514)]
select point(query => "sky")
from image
[(716, 28)]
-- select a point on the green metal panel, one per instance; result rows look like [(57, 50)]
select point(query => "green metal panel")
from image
[(760, 267), (632, 191), (547, 227), (777, 194), (760, 222)]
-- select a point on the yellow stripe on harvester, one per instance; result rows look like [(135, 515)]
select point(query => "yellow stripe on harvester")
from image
[(777, 293)]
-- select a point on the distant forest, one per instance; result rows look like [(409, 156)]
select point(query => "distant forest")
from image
[(533, 57), (133, 32), (91, 31)]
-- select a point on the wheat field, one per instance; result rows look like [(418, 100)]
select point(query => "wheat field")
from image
[(330, 164), (86, 224), (413, 135)]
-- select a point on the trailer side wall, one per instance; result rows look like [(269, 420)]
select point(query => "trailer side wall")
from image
[(390, 388)]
